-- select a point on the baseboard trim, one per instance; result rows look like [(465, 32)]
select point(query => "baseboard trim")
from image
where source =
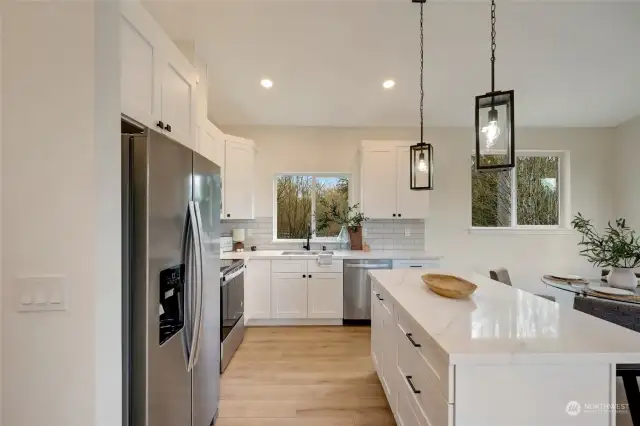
[(292, 322)]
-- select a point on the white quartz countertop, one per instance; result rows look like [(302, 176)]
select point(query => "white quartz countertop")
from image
[(500, 324), (373, 254)]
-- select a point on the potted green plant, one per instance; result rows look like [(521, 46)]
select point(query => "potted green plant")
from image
[(348, 217), (618, 248)]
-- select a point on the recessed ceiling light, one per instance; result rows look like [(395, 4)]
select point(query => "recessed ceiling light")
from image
[(388, 84), (266, 83)]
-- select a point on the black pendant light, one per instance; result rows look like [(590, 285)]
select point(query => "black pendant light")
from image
[(421, 154), (495, 146)]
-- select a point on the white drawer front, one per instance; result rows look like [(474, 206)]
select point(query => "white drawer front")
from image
[(289, 266), (418, 384), (435, 362), (312, 266), (420, 264)]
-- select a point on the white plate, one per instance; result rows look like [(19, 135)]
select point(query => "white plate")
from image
[(611, 290), (567, 277)]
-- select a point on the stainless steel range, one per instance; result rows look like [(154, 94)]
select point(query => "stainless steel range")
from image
[(231, 308)]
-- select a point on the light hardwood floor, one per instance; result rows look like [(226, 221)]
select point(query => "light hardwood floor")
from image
[(303, 376)]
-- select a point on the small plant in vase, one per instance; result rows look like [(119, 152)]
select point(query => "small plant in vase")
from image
[(618, 248), (348, 217)]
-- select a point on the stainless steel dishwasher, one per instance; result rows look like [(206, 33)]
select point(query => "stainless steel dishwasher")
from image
[(357, 289)]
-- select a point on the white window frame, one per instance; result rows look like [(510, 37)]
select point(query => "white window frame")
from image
[(314, 238), (564, 198)]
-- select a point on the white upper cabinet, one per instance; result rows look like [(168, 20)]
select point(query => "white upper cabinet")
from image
[(379, 183), (385, 182), (211, 142), (137, 85), (238, 179), (178, 103), (157, 81)]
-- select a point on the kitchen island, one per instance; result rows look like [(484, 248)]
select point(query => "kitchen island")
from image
[(504, 357)]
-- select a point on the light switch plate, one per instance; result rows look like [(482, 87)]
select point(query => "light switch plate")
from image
[(407, 232), (41, 293)]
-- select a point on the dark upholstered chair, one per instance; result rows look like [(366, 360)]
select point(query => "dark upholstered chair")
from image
[(625, 315), (502, 275)]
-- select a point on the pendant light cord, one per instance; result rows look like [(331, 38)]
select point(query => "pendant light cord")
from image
[(493, 45), (421, 73)]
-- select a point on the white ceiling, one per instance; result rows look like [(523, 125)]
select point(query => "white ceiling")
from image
[(570, 63)]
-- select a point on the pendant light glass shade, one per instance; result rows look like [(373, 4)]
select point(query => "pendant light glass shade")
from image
[(421, 164), (495, 148), (495, 139)]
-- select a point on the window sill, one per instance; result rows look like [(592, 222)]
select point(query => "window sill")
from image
[(521, 231)]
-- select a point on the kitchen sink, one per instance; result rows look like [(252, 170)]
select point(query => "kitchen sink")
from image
[(305, 253)]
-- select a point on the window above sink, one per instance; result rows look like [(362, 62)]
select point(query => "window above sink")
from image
[(298, 199)]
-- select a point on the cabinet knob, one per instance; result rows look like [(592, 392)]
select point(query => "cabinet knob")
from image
[(160, 124), (168, 127), (228, 214), (394, 215), (399, 215), (310, 276), (304, 276)]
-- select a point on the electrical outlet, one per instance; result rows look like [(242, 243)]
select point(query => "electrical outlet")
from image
[(364, 232), (407, 232)]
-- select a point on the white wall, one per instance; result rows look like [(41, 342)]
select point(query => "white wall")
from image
[(60, 211), (305, 149), (626, 168)]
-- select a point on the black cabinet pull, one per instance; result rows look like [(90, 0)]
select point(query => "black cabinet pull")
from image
[(228, 214), (413, 342), (310, 276), (394, 215), (378, 296), (415, 266), (168, 128), (160, 124), (413, 388), (304, 276), (399, 214)]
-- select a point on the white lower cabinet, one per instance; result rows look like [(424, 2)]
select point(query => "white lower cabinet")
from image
[(406, 411), (257, 290), (324, 295), (382, 347), (288, 295), (405, 363)]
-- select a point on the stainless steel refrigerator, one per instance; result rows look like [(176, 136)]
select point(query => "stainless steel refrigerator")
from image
[(171, 282)]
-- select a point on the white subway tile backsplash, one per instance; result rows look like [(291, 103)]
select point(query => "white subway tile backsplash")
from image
[(380, 234)]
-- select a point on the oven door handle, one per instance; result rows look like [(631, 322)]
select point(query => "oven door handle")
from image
[(232, 275)]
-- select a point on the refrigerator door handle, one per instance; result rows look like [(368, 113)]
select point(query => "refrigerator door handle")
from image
[(195, 232), (187, 260), (199, 312)]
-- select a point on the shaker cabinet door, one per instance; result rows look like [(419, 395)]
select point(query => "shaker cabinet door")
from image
[(379, 183), (325, 295), (288, 295)]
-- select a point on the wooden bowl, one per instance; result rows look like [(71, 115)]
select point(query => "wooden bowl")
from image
[(449, 286)]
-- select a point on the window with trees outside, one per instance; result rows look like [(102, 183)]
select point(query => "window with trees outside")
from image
[(528, 196), (300, 198)]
